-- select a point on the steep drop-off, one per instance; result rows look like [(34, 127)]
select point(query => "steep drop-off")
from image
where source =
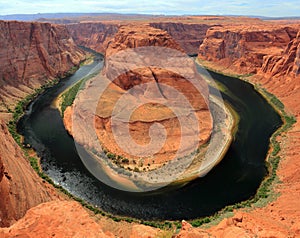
[(31, 54), (243, 48), (94, 35), (278, 219), (188, 36), (20, 186), (286, 64), (277, 70)]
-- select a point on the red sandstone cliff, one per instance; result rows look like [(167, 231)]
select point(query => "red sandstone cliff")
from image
[(94, 35), (31, 54), (188, 36), (20, 187), (285, 64), (272, 52), (278, 219), (243, 48)]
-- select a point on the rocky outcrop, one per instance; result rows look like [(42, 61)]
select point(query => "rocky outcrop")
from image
[(93, 35), (20, 186), (22, 189), (243, 48), (146, 84), (96, 35), (56, 219), (230, 51), (31, 54), (285, 64), (188, 36)]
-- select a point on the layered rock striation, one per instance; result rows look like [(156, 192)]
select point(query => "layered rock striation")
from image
[(244, 48), (96, 35), (93, 35), (285, 64), (188, 36), (31, 54), (20, 187), (277, 70), (156, 90), (277, 64)]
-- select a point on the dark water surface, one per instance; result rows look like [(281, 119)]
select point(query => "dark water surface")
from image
[(235, 179)]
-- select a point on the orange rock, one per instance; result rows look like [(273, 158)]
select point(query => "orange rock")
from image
[(286, 64), (188, 36), (94, 35), (20, 186), (187, 231), (145, 116), (32, 54), (141, 231), (1, 170), (278, 219), (68, 119), (280, 76), (244, 48), (56, 219)]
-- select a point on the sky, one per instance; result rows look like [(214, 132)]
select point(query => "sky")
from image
[(275, 8)]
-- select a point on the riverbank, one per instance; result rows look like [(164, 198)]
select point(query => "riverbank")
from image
[(158, 224), (197, 223), (274, 209), (203, 160), (58, 102)]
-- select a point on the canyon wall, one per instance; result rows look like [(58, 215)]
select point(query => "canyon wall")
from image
[(20, 187), (96, 35), (93, 35), (188, 36), (285, 64), (31, 54), (272, 54), (244, 48)]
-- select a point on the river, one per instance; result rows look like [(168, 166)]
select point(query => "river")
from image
[(236, 178)]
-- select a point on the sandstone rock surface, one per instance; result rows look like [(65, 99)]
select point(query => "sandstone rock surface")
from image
[(280, 218), (56, 219), (150, 86), (243, 48), (20, 187), (285, 64), (188, 36), (94, 35), (32, 54)]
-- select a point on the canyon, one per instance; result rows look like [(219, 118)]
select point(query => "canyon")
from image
[(267, 52), (33, 54), (246, 50), (20, 187), (96, 35), (148, 84), (150, 92)]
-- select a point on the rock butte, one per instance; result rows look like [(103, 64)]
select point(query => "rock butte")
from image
[(279, 75), (146, 115)]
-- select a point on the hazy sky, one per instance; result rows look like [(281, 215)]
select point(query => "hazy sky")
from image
[(200, 7)]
